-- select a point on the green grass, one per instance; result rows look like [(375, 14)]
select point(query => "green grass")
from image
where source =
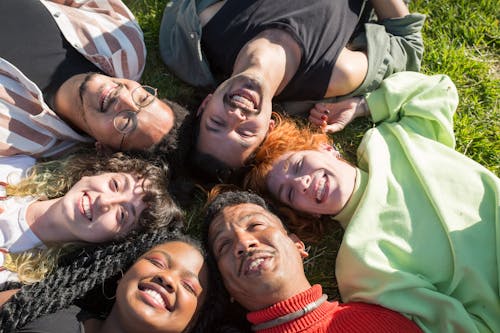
[(462, 40)]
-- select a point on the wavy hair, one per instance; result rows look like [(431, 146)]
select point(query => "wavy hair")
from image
[(53, 179), (287, 136), (81, 277)]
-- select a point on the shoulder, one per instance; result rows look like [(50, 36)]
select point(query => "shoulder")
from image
[(67, 320), (363, 317)]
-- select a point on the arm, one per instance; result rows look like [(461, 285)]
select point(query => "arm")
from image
[(362, 317), (420, 103), (393, 44), (389, 8), (424, 103)]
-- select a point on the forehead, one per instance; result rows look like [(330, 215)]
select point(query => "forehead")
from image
[(238, 215), (279, 169)]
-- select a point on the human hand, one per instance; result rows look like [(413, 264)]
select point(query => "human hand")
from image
[(334, 117)]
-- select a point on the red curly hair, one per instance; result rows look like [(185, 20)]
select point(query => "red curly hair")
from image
[(287, 136)]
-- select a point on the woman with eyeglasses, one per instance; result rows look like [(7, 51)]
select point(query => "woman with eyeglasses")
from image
[(421, 220), (81, 199), (157, 282)]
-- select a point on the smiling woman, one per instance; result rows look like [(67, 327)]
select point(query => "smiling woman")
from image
[(83, 198), (163, 287)]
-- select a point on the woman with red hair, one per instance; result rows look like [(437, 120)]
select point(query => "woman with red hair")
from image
[(421, 220)]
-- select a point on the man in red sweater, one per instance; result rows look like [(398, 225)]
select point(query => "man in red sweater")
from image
[(262, 269)]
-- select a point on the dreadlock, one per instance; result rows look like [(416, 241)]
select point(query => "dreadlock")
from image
[(78, 273)]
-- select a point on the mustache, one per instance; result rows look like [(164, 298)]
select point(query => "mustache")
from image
[(249, 254)]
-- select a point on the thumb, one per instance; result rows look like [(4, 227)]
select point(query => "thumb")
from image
[(332, 128)]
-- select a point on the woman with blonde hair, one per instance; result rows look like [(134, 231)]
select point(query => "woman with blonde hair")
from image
[(80, 199), (422, 229)]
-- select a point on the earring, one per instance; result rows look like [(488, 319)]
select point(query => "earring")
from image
[(106, 296), (231, 299)]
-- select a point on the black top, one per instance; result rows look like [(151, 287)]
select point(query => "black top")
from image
[(321, 28), (32, 41), (69, 320)]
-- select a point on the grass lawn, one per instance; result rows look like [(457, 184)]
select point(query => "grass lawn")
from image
[(462, 40)]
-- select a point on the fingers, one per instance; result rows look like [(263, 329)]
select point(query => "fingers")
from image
[(318, 121), (333, 128)]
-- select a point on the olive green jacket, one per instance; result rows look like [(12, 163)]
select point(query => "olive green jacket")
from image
[(392, 45)]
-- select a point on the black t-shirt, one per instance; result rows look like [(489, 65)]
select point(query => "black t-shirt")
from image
[(321, 28), (69, 320), (32, 41)]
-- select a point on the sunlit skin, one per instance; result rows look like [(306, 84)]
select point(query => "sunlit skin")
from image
[(96, 209), (259, 262), (234, 120), (312, 181), (161, 292), (88, 102)]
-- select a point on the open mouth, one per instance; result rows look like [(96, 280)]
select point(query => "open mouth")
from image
[(244, 99), (254, 265), (155, 296), (86, 204), (322, 189)]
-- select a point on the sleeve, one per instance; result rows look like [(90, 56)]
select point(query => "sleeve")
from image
[(14, 168), (63, 321), (393, 45), (105, 32), (420, 103), (356, 317)]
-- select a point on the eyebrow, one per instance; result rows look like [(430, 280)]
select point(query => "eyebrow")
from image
[(246, 217), (241, 142)]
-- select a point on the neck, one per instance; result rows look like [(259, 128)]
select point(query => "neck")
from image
[(273, 55), (45, 221), (299, 308)]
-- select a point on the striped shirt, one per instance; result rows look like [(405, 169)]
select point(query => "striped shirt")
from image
[(106, 33)]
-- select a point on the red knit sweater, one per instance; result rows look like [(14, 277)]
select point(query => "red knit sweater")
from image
[(333, 317)]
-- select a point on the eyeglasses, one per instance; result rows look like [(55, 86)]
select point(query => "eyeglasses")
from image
[(126, 121)]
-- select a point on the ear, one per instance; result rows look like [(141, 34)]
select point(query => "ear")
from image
[(204, 104), (329, 149), (300, 245), (272, 123), (103, 149)]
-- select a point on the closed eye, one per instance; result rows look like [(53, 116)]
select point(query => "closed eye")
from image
[(187, 285), (157, 262), (217, 122), (298, 165)]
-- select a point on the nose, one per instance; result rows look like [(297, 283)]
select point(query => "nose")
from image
[(244, 243), (106, 201), (167, 281), (236, 116), (302, 183), (124, 100)]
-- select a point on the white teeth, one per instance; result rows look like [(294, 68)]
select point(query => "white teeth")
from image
[(156, 296), (86, 207), (254, 264), (240, 99), (321, 189)]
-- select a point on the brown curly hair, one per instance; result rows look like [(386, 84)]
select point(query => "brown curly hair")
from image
[(287, 136)]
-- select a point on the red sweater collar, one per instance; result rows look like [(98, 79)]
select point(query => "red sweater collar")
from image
[(290, 305)]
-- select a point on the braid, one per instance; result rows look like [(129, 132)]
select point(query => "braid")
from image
[(78, 273)]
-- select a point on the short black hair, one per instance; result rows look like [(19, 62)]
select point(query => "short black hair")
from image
[(234, 198), (170, 141)]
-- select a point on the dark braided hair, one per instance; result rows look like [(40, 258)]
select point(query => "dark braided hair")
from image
[(78, 273)]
